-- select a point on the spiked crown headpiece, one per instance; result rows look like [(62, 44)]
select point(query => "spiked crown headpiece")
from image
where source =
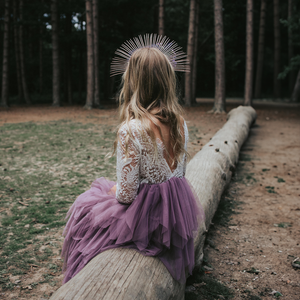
[(177, 58)]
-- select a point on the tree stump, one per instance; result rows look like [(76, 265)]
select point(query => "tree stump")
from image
[(126, 274)]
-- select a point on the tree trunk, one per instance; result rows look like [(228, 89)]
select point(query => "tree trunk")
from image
[(96, 54), (4, 92), (194, 75), (22, 60), (68, 57), (190, 53), (30, 42), (126, 274), (90, 55), (80, 79), (41, 64), (260, 51), (277, 83), (249, 55), (161, 27), (41, 79), (55, 55), (290, 45), (17, 53), (219, 104), (296, 91)]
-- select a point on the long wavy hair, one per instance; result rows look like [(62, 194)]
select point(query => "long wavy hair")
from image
[(148, 93)]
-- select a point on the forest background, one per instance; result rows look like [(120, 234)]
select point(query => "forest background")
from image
[(46, 47)]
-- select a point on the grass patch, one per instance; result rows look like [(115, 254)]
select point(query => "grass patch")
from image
[(271, 189), (283, 225), (43, 168)]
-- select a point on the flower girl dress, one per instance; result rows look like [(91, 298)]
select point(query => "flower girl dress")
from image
[(154, 210)]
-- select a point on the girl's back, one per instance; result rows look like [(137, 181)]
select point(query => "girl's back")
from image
[(151, 208)]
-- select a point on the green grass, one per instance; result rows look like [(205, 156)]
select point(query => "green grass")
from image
[(271, 189), (43, 168), (283, 225)]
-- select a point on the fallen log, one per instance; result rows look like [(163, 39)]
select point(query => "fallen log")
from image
[(126, 274)]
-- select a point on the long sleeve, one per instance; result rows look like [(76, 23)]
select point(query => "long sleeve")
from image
[(128, 168)]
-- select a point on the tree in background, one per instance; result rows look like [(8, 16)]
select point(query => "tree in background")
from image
[(260, 51), (249, 54), (22, 58), (68, 54), (90, 55), (296, 92), (115, 27), (17, 53), (41, 32), (293, 25), (55, 55), (276, 82), (4, 94), (291, 46), (96, 54), (190, 53), (161, 27), (219, 104), (194, 74)]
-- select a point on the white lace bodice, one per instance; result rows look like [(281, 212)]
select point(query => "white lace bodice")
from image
[(141, 165)]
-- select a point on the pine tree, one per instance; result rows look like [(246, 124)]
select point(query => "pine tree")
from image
[(249, 54), (55, 54), (4, 94)]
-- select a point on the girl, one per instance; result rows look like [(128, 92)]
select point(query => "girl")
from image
[(151, 208)]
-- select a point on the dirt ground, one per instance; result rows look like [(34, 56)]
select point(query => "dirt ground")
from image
[(252, 255)]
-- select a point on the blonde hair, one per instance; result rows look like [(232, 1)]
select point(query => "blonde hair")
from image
[(149, 93)]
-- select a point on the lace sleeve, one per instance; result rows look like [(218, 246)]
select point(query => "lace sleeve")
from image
[(186, 139), (127, 167)]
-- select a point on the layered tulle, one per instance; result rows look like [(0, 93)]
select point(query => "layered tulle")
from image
[(161, 222)]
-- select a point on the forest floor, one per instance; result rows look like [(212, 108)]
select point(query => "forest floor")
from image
[(50, 155)]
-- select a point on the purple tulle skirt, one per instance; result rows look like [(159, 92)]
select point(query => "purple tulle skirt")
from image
[(161, 221)]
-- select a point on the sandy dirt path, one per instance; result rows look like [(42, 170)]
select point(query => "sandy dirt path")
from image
[(254, 254)]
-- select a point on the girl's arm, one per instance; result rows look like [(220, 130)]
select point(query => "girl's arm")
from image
[(128, 167)]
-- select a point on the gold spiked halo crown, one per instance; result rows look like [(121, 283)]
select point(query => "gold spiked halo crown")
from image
[(177, 58)]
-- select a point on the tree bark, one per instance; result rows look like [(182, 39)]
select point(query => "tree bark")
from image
[(290, 45), (260, 51), (55, 55), (249, 55), (80, 65), (96, 54), (41, 79), (194, 75), (90, 55), (219, 104), (68, 56), (17, 53), (161, 27), (276, 82), (190, 53), (4, 92), (22, 60), (296, 91), (126, 274)]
